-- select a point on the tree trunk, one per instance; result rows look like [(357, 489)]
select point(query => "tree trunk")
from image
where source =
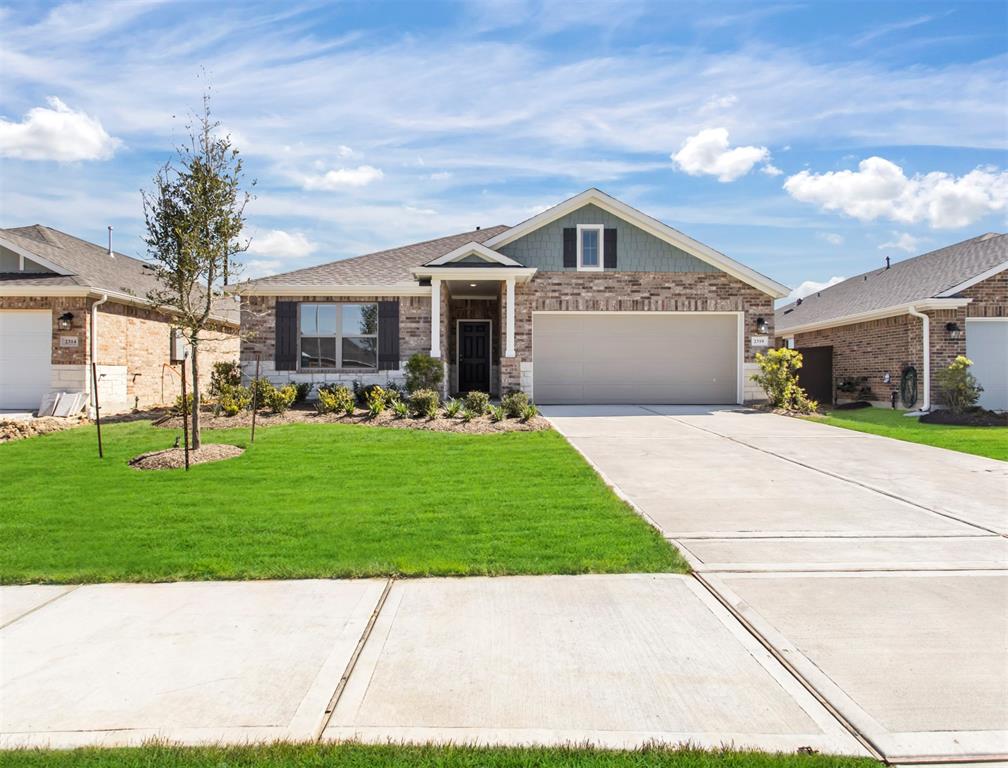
[(196, 436)]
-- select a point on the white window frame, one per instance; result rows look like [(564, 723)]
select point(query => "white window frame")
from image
[(600, 228), (339, 336)]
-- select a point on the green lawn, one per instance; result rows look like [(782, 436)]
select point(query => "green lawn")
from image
[(983, 441), (394, 756), (306, 500)]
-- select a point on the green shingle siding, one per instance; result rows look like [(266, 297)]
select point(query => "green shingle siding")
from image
[(638, 251)]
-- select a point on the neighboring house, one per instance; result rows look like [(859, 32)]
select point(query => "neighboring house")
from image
[(919, 313), (590, 301), (65, 302)]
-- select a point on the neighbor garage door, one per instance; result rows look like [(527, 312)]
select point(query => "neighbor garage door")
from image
[(987, 347), (25, 358), (627, 357)]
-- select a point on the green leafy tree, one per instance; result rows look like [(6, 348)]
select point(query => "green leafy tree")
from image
[(194, 217)]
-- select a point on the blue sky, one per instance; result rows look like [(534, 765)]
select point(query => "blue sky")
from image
[(808, 140)]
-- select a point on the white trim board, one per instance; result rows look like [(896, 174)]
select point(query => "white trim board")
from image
[(995, 270), (332, 289), (925, 305), (650, 225), (473, 249)]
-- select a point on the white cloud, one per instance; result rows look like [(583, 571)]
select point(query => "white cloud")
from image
[(809, 287), (56, 133), (707, 153), (278, 243), (360, 176), (260, 268), (344, 151), (771, 170), (880, 189), (831, 237), (903, 241), (441, 176)]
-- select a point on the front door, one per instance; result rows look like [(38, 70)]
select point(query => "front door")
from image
[(474, 356)]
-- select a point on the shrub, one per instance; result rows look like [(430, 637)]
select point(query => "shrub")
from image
[(424, 403), (477, 402), (778, 377), (529, 412), (177, 408), (513, 404), (375, 400), (400, 409), (958, 387), (335, 399), (261, 390), (423, 372), (468, 415), (224, 375), (232, 398), (452, 407), (496, 413), (303, 389), (279, 399)]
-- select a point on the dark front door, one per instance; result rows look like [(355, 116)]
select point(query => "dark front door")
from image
[(816, 374), (474, 356)]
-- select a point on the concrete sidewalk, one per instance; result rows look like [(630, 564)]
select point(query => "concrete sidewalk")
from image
[(612, 660), (873, 568)]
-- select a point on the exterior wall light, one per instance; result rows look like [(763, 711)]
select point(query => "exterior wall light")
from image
[(761, 326), (954, 331), (64, 321)]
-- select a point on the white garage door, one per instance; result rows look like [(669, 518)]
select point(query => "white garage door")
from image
[(987, 347), (25, 358), (635, 357)]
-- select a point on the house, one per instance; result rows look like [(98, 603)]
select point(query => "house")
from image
[(590, 301), (918, 314), (65, 302)]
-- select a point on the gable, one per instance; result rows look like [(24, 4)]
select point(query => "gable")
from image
[(11, 261), (639, 251)]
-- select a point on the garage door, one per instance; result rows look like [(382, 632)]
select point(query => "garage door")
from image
[(987, 347), (624, 357), (25, 358)]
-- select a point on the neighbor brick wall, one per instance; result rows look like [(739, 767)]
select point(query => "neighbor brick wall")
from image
[(990, 297), (631, 292)]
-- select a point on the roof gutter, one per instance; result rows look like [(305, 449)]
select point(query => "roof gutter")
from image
[(334, 289), (926, 305), (926, 328)]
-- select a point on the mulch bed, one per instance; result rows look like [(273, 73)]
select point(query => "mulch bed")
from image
[(174, 458), (975, 417), (307, 415)]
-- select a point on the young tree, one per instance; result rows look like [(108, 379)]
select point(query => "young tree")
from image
[(194, 217)]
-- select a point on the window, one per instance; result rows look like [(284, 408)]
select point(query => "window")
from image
[(590, 246), (338, 336)]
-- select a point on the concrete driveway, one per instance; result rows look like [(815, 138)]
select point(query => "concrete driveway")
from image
[(874, 569)]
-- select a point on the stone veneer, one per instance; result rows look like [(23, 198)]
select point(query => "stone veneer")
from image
[(133, 351)]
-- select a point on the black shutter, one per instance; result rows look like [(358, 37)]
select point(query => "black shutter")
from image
[(285, 351), (388, 335), (570, 247), (610, 249)]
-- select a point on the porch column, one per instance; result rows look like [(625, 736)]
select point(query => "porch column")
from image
[(435, 318), (509, 350)]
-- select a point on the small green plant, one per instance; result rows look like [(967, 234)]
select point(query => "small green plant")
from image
[(468, 415), (528, 412), (232, 398), (375, 401), (424, 403), (496, 413), (477, 402), (514, 403), (400, 409), (303, 390), (778, 377), (279, 399), (335, 399), (261, 390), (452, 407), (226, 374), (177, 408), (957, 386), (423, 372)]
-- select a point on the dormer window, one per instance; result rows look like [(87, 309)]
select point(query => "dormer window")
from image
[(590, 245)]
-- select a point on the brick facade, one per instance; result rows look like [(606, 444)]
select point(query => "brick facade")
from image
[(133, 351), (990, 297)]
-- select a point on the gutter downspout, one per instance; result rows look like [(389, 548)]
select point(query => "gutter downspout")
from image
[(94, 336), (926, 328)]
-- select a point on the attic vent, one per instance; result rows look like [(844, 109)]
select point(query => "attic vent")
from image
[(788, 311), (47, 236), (798, 303), (988, 236)]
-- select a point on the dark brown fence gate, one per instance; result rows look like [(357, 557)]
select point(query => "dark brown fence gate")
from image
[(816, 374)]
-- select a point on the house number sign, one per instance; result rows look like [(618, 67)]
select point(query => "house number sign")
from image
[(69, 341), (759, 341)]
